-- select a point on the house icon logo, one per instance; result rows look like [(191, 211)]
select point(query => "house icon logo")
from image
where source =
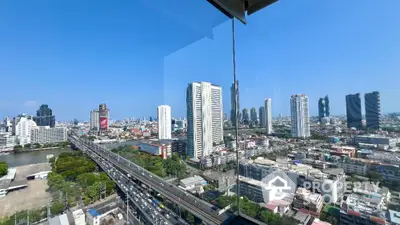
[(278, 184)]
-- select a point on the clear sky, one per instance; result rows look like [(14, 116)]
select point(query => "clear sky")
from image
[(135, 55)]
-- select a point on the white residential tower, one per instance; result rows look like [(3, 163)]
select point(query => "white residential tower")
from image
[(94, 120), (204, 118), (268, 115), (164, 122), (300, 116)]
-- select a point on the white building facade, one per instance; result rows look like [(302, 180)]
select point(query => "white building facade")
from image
[(46, 135), (299, 113), (268, 115), (204, 118), (164, 122), (94, 120), (7, 141), (22, 127)]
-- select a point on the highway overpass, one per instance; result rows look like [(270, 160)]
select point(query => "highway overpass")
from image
[(196, 206)]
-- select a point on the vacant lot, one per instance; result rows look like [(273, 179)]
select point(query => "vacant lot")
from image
[(32, 197)]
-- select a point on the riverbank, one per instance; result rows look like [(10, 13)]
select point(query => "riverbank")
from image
[(31, 157), (38, 149)]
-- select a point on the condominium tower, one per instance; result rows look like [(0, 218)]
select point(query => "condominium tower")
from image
[(323, 108), (204, 118), (353, 111), (164, 121), (233, 95), (268, 115), (94, 120), (300, 116), (261, 115), (373, 110)]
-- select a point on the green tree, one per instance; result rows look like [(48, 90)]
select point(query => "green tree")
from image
[(3, 168), (18, 148), (57, 208), (328, 218), (374, 176)]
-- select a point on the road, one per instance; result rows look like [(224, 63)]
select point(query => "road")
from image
[(198, 207), (148, 212)]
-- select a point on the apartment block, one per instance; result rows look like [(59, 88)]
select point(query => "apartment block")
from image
[(46, 134)]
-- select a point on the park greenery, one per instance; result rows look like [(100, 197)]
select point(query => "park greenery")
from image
[(254, 210), (173, 166), (75, 179), (3, 168)]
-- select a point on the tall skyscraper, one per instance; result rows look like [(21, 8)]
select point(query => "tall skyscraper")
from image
[(300, 116), (253, 115), (44, 117), (327, 107), (204, 118), (323, 108), (261, 115), (233, 94), (164, 122), (103, 116), (373, 110), (94, 120), (245, 116), (353, 111), (268, 115)]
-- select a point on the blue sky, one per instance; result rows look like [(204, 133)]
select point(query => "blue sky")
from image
[(135, 55)]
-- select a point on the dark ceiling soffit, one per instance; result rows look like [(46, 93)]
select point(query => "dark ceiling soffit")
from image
[(238, 8)]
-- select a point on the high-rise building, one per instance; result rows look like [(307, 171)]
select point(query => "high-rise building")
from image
[(103, 116), (253, 115), (164, 121), (94, 120), (44, 116), (373, 110), (22, 127), (268, 115), (245, 116), (233, 94), (323, 108), (204, 118), (261, 115), (46, 134), (327, 107), (353, 111), (300, 116)]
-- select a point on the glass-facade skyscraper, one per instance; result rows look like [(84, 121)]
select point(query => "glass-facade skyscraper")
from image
[(353, 111), (44, 117), (233, 113), (323, 108), (373, 110)]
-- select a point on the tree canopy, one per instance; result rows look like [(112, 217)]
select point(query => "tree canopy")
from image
[(3, 168)]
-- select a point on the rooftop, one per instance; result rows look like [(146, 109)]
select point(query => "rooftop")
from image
[(394, 216), (194, 179), (306, 195), (93, 213)]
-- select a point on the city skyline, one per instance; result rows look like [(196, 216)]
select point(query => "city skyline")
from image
[(96, 60)]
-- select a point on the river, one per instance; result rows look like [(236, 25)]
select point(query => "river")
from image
[(33, 157)]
